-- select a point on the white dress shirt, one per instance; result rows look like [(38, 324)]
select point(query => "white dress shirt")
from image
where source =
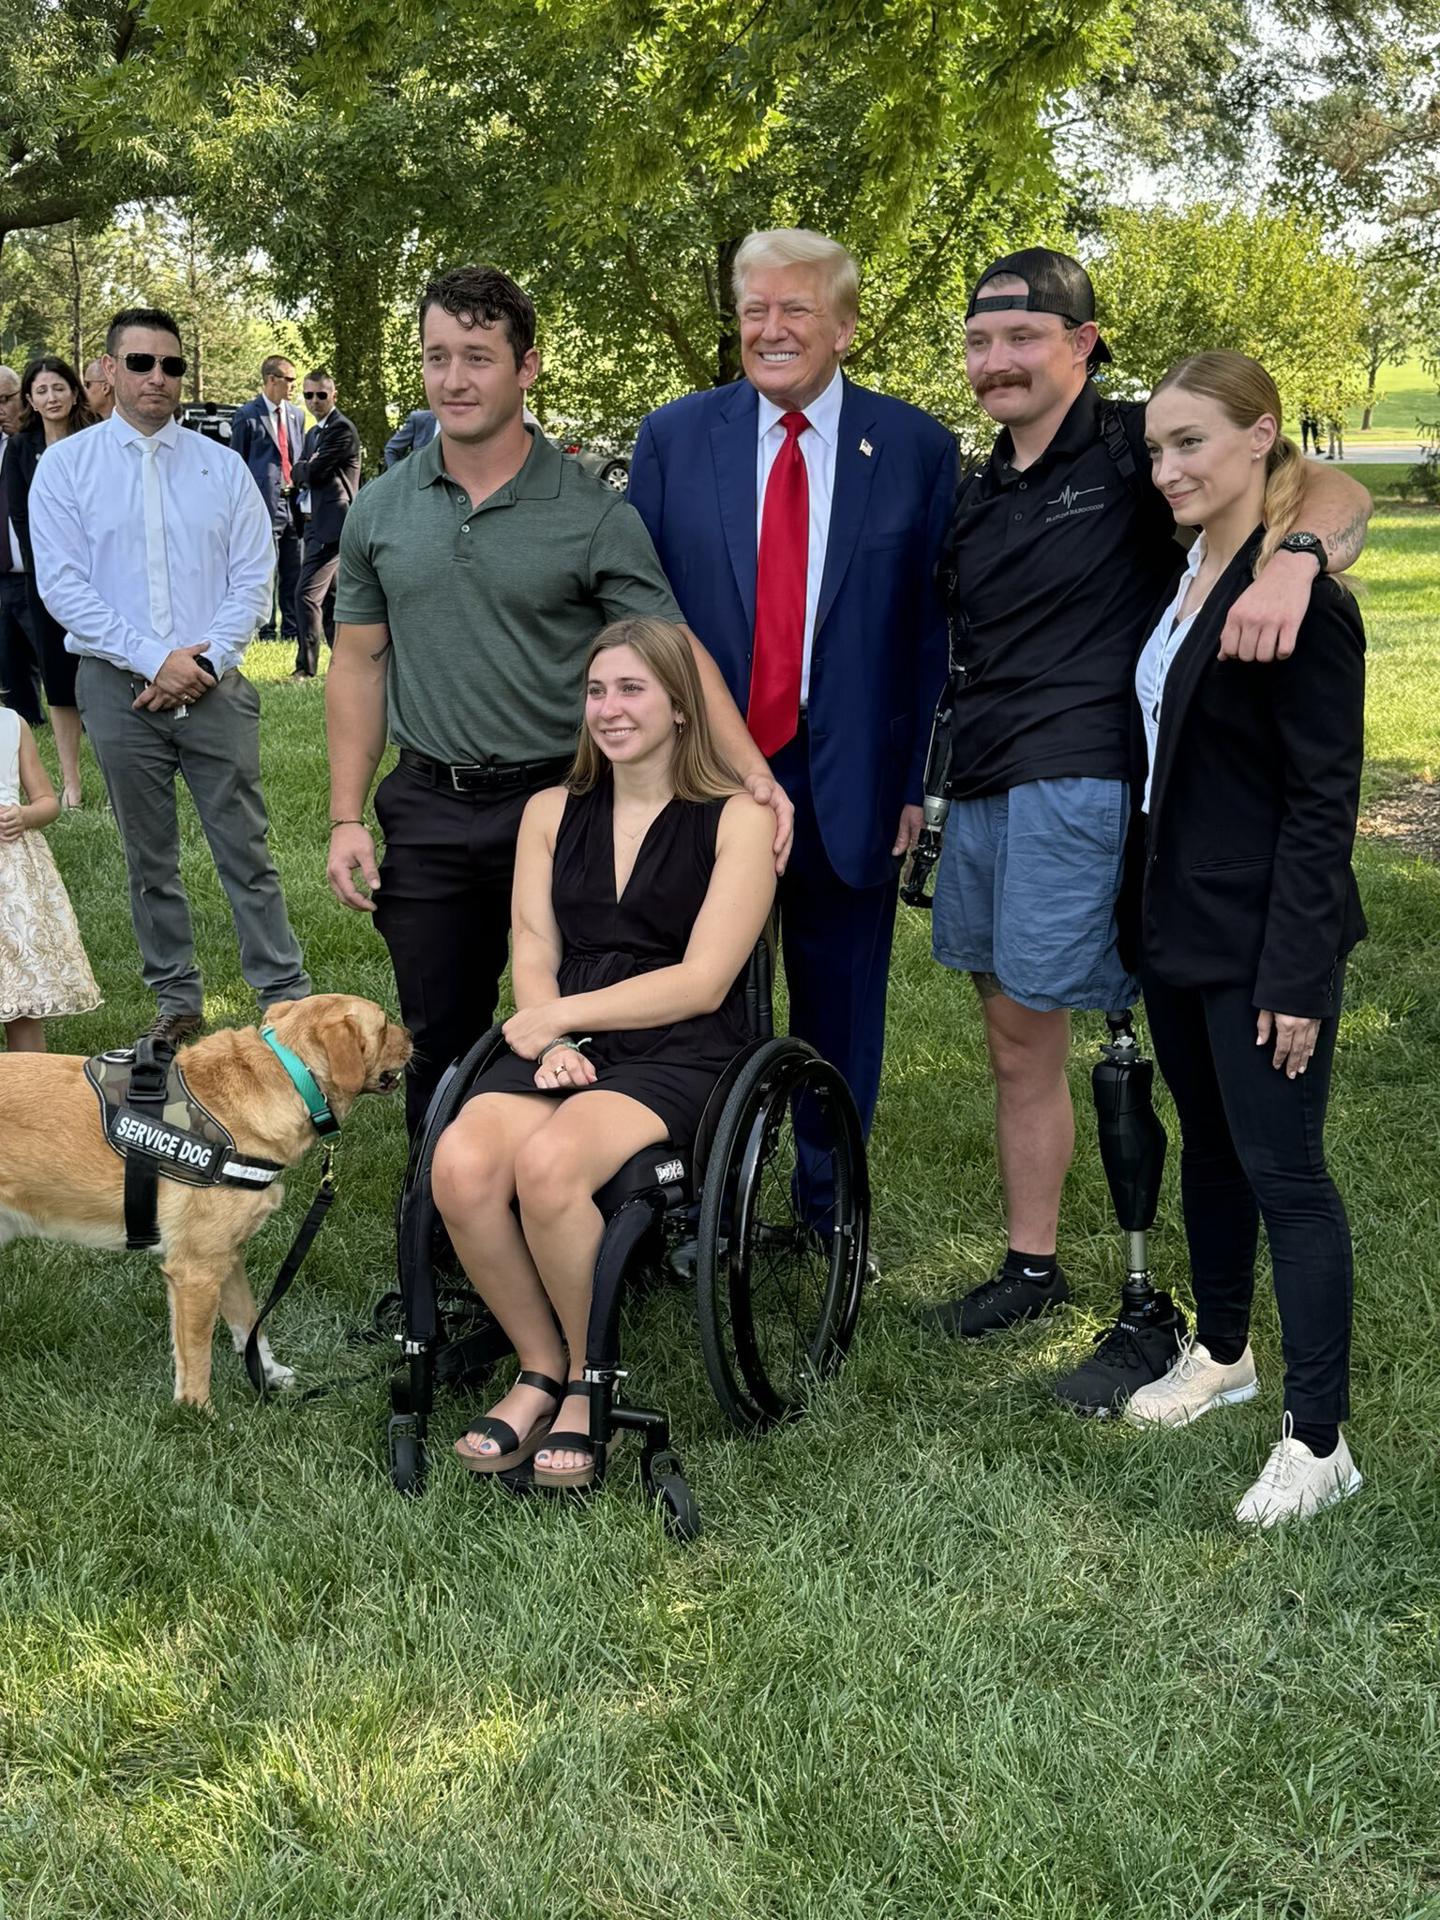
[(302, 499), (817, 448), (87, 528), (1157, 657), (7, 532)]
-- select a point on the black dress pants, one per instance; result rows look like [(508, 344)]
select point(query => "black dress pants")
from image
[(19, 650), (443, 910), (1253, 1147), (287, 579), (315, 603), (835, 944)]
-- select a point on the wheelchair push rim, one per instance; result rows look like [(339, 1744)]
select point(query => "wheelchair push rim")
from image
[(777, 1300)]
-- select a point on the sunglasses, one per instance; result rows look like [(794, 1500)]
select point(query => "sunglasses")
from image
[(172, 365), (320, 395)]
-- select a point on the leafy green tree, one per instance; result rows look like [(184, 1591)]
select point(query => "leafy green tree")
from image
[(61, 63), (612, 158), (1264, 283), (1394, 291), (59, 286), (56, 287), (661, 135)]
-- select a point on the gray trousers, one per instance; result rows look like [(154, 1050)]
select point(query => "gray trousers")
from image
[(215, 748)]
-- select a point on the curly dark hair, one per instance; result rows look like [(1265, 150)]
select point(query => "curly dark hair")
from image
[(483, 296), (82, 414)]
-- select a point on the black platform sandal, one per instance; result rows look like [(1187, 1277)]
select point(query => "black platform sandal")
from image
[(570, 1443), (514, 1451)]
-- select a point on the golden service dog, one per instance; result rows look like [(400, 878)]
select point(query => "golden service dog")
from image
[(59, 1180)]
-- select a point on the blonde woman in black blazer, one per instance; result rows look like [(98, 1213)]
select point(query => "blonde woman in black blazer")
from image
[(1252, 782)]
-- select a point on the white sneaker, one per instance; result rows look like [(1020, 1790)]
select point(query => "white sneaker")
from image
[(1294, 1484), (1194, 1385)]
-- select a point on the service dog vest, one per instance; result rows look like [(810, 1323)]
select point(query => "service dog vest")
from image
[(164, 1131)]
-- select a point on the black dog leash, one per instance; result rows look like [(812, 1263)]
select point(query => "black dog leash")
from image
[(294, 1260)]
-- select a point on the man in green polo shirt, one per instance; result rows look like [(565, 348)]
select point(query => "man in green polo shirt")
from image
[(473, 577)]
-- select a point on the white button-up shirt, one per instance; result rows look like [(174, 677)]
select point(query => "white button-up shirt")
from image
[(87, 527), (1158, 656), (817, 448)]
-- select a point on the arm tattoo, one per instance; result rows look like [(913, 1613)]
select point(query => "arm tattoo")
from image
[(1344, 545)]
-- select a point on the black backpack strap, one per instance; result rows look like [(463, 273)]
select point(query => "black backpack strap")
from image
[(1117, 440), (147, 1093)]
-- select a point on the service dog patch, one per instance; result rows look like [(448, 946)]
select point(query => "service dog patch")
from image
[(183, 1140)]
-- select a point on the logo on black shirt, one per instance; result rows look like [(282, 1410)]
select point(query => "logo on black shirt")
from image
[(1069, 499)]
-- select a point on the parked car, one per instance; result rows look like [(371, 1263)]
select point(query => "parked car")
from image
[(596, 454), (209, 417)]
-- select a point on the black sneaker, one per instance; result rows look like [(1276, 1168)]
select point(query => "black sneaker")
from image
[(1138, 1348), (174, 1029), (1004, 1300)]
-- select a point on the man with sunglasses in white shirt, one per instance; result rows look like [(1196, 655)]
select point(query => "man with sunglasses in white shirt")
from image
[(153, 549)]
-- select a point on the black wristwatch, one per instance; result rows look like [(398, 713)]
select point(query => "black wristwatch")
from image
[(204, 660), (1310, 543)]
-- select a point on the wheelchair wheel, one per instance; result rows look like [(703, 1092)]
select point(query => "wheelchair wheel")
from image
[(777, 1295), (666, 1484)]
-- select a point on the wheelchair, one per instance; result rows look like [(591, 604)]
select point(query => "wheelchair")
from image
[(777, 1297)]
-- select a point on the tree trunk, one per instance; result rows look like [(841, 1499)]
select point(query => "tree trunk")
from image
[(197, 342), (354, 318), (1365, 418), (76, 359), (727, 338)]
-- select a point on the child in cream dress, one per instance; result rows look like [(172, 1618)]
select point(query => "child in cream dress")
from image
[(43, 968)]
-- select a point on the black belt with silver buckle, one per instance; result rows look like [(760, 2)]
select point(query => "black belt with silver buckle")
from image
[(475, 777)]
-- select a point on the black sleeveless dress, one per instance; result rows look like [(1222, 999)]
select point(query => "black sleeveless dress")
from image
[(672, 1070)]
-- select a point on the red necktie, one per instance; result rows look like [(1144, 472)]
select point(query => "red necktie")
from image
[(780, 595), (282, 436)]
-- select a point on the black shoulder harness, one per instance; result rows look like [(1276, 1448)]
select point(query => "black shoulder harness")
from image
[(1117, 441), (152, 1120)]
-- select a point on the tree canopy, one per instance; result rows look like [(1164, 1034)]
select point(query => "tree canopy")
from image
[(328, 154)]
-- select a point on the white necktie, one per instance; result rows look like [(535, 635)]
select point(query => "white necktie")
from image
[(157, 561)]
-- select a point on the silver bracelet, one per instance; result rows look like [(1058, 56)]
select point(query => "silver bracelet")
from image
[(562, 1040)]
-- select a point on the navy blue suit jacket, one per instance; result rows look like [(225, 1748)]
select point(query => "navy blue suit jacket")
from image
[(879, 658), (251, 438)]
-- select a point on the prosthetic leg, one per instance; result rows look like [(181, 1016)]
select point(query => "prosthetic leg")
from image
[(926, 851), (1143, 1342)]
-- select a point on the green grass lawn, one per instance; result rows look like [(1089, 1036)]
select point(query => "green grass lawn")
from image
[(942, 1651), (1404, 394)]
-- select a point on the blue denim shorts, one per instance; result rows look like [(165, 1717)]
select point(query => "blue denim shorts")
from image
[(1026, 891)]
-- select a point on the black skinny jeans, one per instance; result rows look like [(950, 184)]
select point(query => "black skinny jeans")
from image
[(1253, 1146)]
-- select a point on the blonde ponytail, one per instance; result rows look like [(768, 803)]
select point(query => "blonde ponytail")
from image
[(1284, 489)]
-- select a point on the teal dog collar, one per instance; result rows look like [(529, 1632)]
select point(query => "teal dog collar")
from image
[(321, 1118)]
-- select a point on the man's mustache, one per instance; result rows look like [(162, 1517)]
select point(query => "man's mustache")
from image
[(994, 380)]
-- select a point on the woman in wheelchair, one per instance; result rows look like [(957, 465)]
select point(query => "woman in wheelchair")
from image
[(641, 887)]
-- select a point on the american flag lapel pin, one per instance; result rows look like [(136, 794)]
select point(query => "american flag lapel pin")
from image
[(866, 448)]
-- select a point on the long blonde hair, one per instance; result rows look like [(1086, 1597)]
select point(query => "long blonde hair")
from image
[(697, 769), (1245, 393)]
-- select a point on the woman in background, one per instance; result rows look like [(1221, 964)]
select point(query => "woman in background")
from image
[(53, 406)]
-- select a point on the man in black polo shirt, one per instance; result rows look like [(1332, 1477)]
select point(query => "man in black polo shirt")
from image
[(1061, 550), (473, 577)]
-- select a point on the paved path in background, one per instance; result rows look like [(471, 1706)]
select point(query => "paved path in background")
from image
[(1389, 453)]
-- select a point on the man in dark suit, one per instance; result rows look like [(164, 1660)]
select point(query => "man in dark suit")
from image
[(327, 478), (416, 430), (798, 518), (267, 433)]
